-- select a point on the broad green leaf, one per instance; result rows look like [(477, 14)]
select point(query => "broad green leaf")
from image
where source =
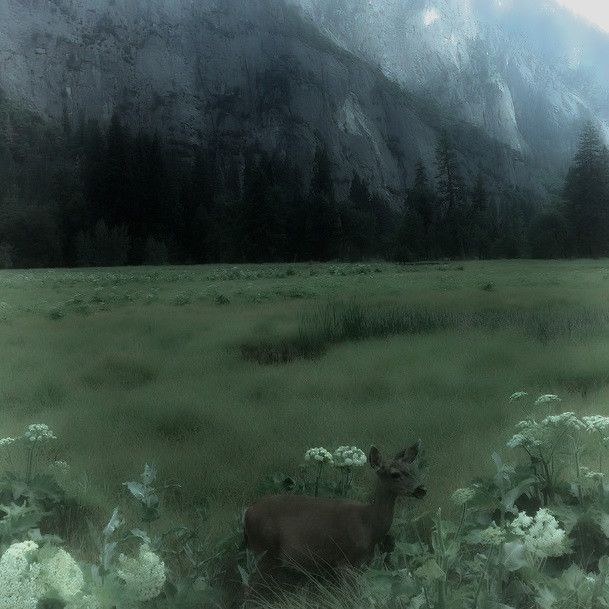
[(141, 535), (149, 475), (113, 523), (137, 489), (430, 571)]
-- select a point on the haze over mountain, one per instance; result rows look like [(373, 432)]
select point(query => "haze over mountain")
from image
[(513, 81)]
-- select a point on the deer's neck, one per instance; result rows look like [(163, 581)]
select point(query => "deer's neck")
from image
[(382, 509)]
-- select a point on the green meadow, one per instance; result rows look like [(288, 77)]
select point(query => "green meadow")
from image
[(223, 375)]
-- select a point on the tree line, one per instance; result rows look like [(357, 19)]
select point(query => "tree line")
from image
[(93, 196)]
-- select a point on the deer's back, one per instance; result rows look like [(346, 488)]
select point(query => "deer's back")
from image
[(310, 530)]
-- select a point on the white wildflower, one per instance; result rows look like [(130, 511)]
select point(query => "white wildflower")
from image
[(39, 432), (492, 536), (349, 456), (463, 496), (596, 476), (20, 587), (566, 419), (62, 574), (528, 435), (320, 455), (548, 398), (596, 423), (518, 396), (144, 576), (517, 440), (6, 441), (541, 535), (521, 523)]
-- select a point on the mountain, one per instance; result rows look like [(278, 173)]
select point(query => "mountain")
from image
[(527, 73), (374, 80)]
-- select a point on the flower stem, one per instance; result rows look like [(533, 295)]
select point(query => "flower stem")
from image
[(321, 466)]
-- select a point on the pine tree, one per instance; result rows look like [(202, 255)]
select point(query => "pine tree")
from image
[(479, 220), (261, 232), (451, 196), (323, 228), (416, 238), (587, 195), (358, 221)]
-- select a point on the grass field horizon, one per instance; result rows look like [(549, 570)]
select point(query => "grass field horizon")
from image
[(145, 364)]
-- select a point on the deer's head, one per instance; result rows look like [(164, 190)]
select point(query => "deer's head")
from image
[(401, 475)]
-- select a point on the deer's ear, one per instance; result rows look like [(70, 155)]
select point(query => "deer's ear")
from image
[(374, 458), (409, 455)]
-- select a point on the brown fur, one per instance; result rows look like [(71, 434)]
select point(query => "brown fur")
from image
[(315, 533)]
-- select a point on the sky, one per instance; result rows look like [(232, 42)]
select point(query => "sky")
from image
[(596, 11)]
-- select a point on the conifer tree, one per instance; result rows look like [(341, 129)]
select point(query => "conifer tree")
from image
[(323, 228), (416, 234), (479, 220), (451, 197), (587, 195)]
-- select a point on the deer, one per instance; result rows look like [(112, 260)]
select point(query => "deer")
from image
[(335, 534)]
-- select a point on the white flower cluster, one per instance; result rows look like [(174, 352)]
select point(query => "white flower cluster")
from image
[(62, 574), (548, 398), (596, 476), (39, 432), (492, 536), (566, 420), (463, 496), (589, 474), (541, 535), (527, 435), (518, 396), (596, 423), (20, 585), (6, 442), (144, 576), (349, 456), (321, 455), (531, 433)]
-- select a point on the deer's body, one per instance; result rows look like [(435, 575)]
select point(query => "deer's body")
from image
[(310, 531), (329, 533)]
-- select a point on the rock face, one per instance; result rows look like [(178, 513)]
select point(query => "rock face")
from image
[(528, 73), (373, 79)]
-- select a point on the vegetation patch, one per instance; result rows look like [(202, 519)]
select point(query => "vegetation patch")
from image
[(342, 322)]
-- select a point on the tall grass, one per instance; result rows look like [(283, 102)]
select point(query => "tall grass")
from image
[(342, 322)]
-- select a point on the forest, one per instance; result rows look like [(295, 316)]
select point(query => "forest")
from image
[(101, 195)]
